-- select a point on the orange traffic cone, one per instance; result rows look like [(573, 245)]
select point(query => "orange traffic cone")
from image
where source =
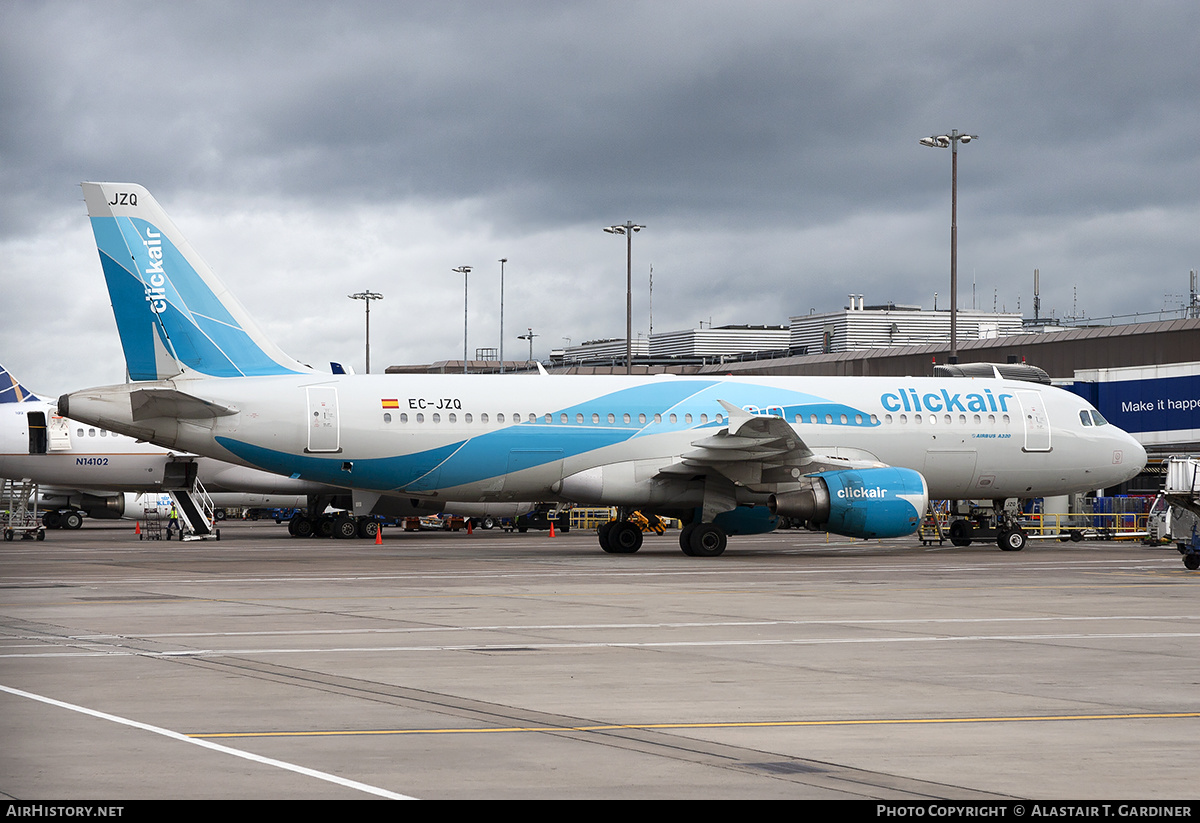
[(552, 528), (379, 536), (137, 527), (469, 529)]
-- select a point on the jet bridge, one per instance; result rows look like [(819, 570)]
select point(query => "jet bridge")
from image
[(1182, 489)]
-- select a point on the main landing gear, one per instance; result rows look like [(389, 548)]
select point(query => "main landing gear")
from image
[(620, 537), (696, 540)]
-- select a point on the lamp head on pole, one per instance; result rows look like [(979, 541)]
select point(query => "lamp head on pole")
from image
[(944, 141), (628, 228)]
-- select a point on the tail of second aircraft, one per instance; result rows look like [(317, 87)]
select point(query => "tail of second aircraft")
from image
[(13, 392), (173, 314)]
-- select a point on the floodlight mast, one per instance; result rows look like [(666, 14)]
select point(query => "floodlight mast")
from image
[(367, 297), (464, 271), (951, 141), (629, 229)]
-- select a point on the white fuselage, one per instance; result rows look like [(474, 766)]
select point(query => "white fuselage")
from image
[(504, 438)]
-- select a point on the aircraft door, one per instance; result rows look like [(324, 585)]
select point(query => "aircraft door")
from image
[(1037, 424), (323, 430), (37, 432)]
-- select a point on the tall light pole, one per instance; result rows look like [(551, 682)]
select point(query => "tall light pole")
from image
[(367, 297), (629, 229), (464, 270), (951, 141), (503, 260), (529, 336)]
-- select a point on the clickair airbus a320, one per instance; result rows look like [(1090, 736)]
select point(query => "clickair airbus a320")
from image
[(856, 456)]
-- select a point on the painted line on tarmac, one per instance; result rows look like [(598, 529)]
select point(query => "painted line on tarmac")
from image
[(840, 621), (612, 644), (715, 725), (269, 761)]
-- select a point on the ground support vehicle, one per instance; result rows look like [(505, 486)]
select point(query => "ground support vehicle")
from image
[(19, 515)]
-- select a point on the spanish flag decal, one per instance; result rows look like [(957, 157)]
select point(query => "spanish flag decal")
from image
[(390, 404)]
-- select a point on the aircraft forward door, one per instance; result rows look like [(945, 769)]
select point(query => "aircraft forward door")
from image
[(324, 434), (1037, 424)]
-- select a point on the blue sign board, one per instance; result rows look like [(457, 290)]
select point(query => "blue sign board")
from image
[(1154, 405)]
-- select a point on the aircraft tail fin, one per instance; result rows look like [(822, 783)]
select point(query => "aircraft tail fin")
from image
[(173, 314), (13, 392)]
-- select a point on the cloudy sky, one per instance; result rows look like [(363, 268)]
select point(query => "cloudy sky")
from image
[(311, 150)]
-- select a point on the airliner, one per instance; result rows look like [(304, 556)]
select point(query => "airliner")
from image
[(859, 457), (107, 475)]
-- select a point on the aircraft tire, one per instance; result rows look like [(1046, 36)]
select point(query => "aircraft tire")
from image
[(685, 538), (301, 527), (344, 527), (624, 538), (367, 528), (602, 534), (960, 533), (72, 520), (708, 540), (1012, 540)]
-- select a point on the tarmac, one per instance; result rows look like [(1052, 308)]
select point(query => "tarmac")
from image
[(524, 666)]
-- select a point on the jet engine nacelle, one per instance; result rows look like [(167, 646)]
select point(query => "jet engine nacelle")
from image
[(104, 507), (882, 502)]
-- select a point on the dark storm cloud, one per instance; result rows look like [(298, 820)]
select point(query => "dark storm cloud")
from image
[(771, 147)]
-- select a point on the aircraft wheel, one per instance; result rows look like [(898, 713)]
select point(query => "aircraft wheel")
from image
[(685, 538), (708, 540), (367, 528), (960, 533), (624, 538), (1191, 561), (72, 520), (487, 523), (324, 526), (52, 520), (602, 534), (301, 526), (344, 527), (1012, 540)]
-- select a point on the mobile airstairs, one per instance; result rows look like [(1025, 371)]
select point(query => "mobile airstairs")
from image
[(18, 510), (191, 501), (1182, 489)]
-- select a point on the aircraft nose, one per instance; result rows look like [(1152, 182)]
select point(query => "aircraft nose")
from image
[(1128, 455)]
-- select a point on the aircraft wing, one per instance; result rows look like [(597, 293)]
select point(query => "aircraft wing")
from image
[(760, 451)]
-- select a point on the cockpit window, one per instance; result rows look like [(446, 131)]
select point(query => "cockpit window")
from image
[(1085, 417), (1098, 418)]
